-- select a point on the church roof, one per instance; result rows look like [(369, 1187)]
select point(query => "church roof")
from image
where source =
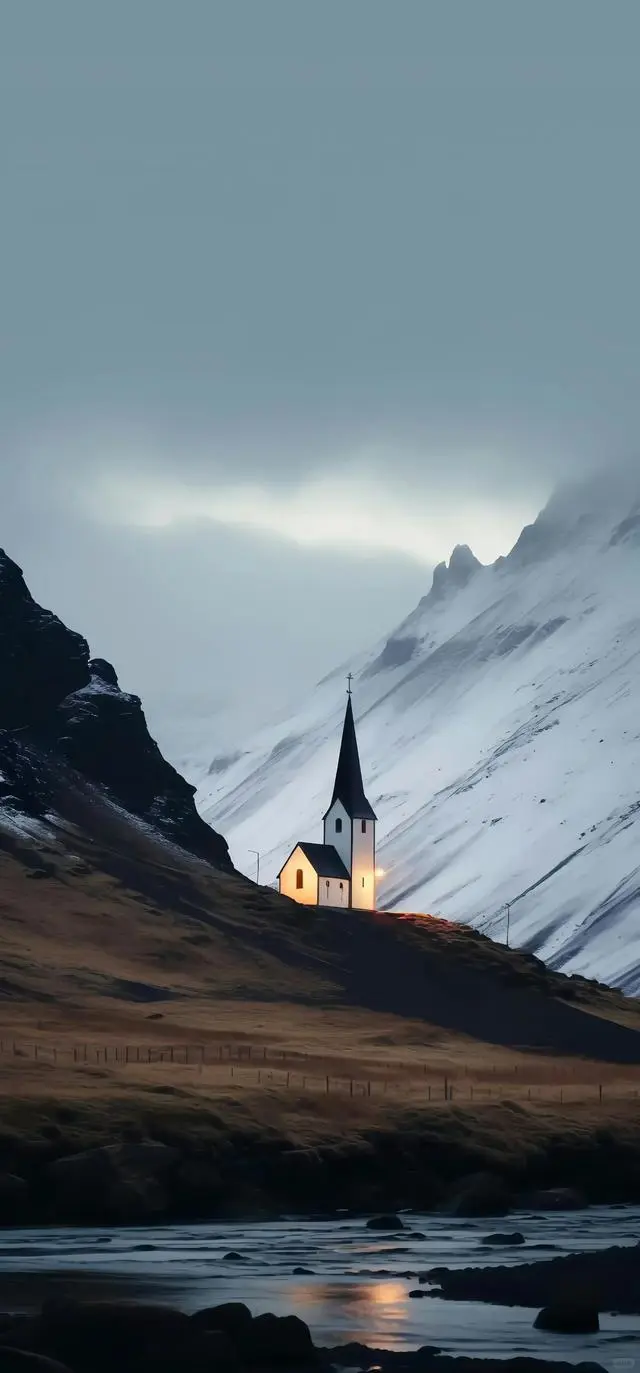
[(324, 859), (348, 787)]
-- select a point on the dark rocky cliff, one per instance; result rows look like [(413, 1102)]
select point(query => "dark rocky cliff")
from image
[(59, 709)]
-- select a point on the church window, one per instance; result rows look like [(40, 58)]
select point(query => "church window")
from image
[(299, 879), (338, 825), (363, 881), (341, 886), (364, 826)]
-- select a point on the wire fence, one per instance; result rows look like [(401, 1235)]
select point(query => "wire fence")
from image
[(265, 1067)]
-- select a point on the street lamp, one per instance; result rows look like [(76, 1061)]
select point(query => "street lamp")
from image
[(257, 854)]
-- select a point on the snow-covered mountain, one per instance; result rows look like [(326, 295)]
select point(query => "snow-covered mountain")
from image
[(499, 730)]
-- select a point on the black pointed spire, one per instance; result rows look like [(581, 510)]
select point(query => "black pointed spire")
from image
[(348, 787)]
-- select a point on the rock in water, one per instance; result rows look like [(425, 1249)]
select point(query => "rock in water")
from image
[(385, 1223), (278, 1340), (509, 1237), (231, 1317), (567, 1318)]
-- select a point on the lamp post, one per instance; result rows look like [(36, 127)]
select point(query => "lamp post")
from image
[(257, 854), (508, 921)]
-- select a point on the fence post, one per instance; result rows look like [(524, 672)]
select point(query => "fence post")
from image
[(369, 1088), (327, 1085), (351, 1087), (600, 1091), (446, 1089), (429, 1092)]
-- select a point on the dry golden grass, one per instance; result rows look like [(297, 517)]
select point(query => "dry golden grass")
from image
[(122, 943)]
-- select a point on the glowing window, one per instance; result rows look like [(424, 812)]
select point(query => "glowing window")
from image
[(299, 879)]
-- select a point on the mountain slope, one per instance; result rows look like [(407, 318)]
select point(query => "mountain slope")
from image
[(499, 733), (62, 713), (136, 901)]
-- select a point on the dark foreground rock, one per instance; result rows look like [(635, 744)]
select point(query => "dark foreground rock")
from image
[(114, 1337), (607, 1280), (574, 1319)]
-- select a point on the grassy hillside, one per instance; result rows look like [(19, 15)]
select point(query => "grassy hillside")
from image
[(144, 992)]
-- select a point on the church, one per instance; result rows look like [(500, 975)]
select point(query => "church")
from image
[(342, 870)]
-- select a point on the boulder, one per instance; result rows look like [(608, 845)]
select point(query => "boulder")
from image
[(508, 1237), (100, 1337), (197, 1187), (112, 1181), (389, 1222), (568, 1318), (231, 1317), (480, 1194), (133, 1201), (276, 1341)]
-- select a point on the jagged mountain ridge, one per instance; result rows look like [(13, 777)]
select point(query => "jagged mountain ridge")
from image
[(500, 741), (63, 715)]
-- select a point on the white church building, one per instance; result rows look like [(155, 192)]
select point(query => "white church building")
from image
[(342, 870)]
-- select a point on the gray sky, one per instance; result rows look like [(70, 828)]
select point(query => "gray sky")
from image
[(295, 296)]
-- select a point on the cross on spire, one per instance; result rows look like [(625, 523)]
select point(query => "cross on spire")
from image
[(349, 681)]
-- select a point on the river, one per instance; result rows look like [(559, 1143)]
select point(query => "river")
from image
[(356, 1287)]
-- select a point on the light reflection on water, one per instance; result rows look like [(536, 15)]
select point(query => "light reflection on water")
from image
[(355, 1287)]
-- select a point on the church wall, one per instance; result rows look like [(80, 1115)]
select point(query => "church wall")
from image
[(307, 895), (334, 891), (341, 841), (363, 895)]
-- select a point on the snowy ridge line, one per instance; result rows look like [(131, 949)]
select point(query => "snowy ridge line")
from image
[(499, 734)]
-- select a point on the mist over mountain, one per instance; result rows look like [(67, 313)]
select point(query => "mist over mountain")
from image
[(500, 742)]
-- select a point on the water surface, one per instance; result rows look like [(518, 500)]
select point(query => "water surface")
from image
[(357, 1282)]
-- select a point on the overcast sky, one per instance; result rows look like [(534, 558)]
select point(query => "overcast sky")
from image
[(293, 297)]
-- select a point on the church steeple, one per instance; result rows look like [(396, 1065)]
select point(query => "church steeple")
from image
[(342, 870), (348, 787)]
